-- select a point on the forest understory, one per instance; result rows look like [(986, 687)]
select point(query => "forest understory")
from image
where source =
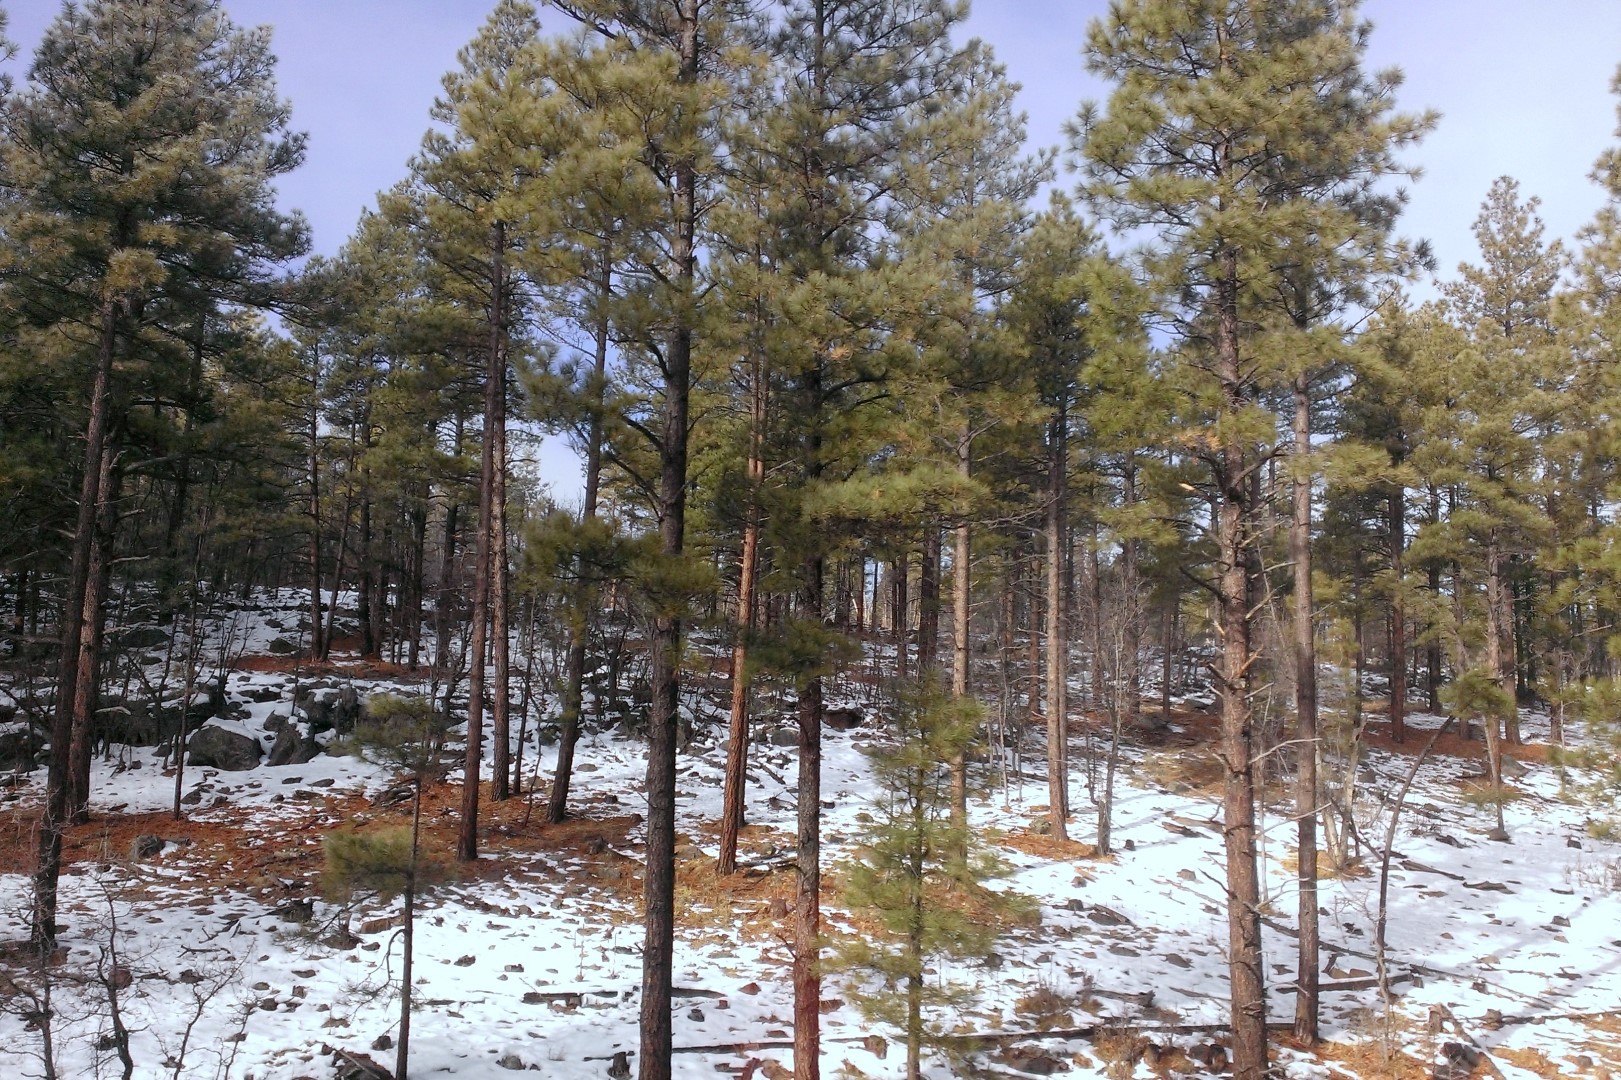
[(226, 957)]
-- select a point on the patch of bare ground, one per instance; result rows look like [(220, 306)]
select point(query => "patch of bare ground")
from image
[(1450, 744), (1367, 1059), (280, 852)]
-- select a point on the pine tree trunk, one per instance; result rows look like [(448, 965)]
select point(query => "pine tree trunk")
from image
[(1398, 615), (807, 976), (485, 555), (1057, 643), (961, 632), (579, 633), (1495, 667), (928, 603), (87, 674), (1306, 794), (731, 817), (659, 884), (48, 864), (417, 588), (900, 615), (317, 640), (500, 639), (1235, 556)]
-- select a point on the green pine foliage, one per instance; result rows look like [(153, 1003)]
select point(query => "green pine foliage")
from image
[(915, 898)]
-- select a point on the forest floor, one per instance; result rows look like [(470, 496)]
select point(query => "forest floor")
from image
[(229, 962)]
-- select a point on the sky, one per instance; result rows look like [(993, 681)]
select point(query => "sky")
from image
[(1522, 88)]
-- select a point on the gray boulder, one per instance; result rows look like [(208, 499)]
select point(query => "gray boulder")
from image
[(20, 745), (291, 747), (222, 749)]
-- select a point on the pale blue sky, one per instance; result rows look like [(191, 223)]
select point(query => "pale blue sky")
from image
[(1522, 85)]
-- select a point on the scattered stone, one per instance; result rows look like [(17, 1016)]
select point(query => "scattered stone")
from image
[(383, 1042), (465, 961), (1572, 842), (510, 1062), (1033, 1061), (281, 647), (299, 910), (783, 737), (145, 846), (749, 988), (1107, 916), (1187, 875), (696, 1014)]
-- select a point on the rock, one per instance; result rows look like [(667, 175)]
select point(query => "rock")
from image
[(783, 737), (1033, 1062), (465, 961), (20, 746), (1107, 917), (145, 846), (193, 797), (619, 1067), (281, 647), (139, 637), (1572, 842), (222, 749), (346, 710), (843, 719), (300, 910), (511, 1062), (1461, 1055), (291, 747), (383, 1042)]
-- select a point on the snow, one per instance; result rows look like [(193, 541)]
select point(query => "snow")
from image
[(1526, 928)]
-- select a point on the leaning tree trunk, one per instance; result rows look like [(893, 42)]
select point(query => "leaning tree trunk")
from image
[(579, 633), (48, 863), (92, 629), (731, 817)]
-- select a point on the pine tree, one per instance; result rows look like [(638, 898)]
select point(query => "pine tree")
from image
[(1235, 191), (921, 874), (181, 106), (408, 735)]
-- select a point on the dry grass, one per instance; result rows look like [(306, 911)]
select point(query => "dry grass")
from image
[(1366, 1059)]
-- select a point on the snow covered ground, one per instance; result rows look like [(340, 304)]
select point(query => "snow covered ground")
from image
[(232, 963)]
